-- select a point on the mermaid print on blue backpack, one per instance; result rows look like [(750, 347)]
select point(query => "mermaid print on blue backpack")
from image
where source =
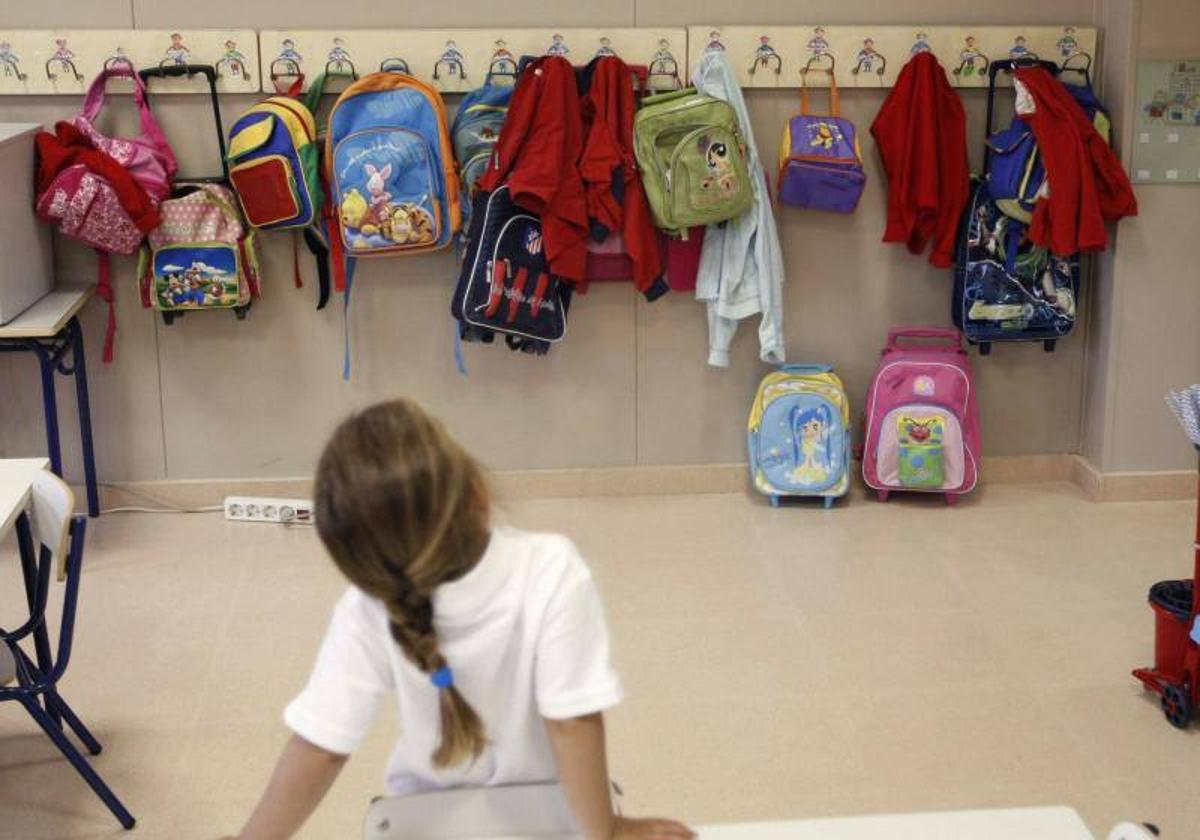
[(798, 434)]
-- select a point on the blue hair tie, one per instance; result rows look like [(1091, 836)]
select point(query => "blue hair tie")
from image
[(443, 678)]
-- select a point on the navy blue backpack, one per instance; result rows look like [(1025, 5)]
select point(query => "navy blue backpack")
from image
[(1005, 287)]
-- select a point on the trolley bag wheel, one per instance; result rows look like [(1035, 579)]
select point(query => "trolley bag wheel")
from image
[(169, 317), (1049, 344), (951, 498), (239, 312), (774, 501), (1177, 705), (882, 495), (829, 500)]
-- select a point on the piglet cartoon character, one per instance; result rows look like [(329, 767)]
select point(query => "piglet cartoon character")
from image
[(380, 198)]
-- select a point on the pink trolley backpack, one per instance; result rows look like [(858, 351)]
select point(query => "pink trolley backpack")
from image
[(922, 419)]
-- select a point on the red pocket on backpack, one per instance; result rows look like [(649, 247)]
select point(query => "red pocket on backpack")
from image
[(265, 188)]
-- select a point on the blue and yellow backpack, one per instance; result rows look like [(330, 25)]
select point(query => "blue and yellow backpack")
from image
[(799, 434), (274, 164)]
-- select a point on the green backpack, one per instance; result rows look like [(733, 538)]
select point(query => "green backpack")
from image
[(693, 159)]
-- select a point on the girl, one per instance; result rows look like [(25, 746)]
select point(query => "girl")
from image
[(492, 639)]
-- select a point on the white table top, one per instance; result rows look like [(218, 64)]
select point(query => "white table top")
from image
[(47, 317), (1058, 823), (16, 480)]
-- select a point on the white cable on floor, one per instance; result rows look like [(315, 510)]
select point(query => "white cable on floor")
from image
[(209, 509)]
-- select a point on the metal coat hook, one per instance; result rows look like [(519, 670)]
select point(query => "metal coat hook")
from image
[(816, 59), (337, 60), (118, 57), (663, 65), (558, 46), (10, 62), (234, 61), (65, 59), (971, 60), (869, 60), (766, 57), (452, 59), (503, 62), (1085, 70), (394, 64)]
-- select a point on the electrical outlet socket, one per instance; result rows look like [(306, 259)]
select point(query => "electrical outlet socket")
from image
[(268, 509)]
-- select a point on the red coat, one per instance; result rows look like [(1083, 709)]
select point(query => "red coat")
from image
[(538, 157), (921, 131), (616, 202), (1087, 183), (69, 146)]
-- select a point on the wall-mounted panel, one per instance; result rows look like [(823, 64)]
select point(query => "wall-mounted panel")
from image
[(871, 56), (457, 60), (41, 61)]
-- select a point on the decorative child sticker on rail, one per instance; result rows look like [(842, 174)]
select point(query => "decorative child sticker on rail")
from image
[(44, 61), (458, 60), (872, 56)]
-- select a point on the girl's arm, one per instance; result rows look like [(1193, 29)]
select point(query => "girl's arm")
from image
[(301, 779), (579, 752)]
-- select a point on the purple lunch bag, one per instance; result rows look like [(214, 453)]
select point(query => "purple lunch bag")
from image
[(820, 165)]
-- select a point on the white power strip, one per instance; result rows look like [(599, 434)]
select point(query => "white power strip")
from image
[(266, 509)]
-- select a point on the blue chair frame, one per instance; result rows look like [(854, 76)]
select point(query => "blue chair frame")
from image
[(37, 682)]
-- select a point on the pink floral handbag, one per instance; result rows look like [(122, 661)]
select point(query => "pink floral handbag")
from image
[(83, 204)]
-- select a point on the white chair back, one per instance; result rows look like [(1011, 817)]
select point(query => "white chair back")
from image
[(538, 810), (51, 509)]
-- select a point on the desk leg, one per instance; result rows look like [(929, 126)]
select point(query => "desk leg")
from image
[(50, 407), (36, 599), (79, 367)]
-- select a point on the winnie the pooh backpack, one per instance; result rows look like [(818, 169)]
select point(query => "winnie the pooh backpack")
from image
[(391, 173), (799, 434), (391, 167), (922, 419), (820, 163)]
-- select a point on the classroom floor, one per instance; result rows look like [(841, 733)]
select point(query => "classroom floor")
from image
[(873, 658)]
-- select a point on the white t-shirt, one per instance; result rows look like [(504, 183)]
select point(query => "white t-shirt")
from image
[(525, 636)]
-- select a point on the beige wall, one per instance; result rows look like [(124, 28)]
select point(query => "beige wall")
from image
[(210, 397), (1146, 339)]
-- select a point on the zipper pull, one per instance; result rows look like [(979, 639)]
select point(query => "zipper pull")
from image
[(667, 179)]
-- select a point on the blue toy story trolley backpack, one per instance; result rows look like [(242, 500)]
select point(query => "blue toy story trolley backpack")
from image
[(799, 436)]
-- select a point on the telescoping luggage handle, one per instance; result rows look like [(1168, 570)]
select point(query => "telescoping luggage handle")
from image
[(1007, 65), (210, 73), (952, 340), (806, 367)]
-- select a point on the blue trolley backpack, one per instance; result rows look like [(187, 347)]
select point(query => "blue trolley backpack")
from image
[(1005, 287), (799, 434)]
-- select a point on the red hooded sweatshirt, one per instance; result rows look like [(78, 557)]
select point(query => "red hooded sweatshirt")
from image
[(538, 157), (616, 202), (1086, 181), (921, 131)]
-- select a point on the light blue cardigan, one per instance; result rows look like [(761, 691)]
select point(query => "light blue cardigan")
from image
[(741, 264)]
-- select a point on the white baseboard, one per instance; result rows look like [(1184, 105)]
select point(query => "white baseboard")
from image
[(667, 479), (1166, 485)]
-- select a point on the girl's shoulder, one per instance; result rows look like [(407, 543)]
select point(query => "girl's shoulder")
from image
[(541, 552)]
